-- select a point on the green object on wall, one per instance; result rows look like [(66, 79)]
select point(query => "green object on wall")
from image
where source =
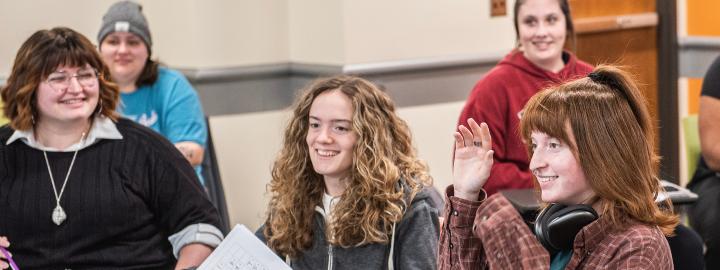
[(692, 143), (3, 120)]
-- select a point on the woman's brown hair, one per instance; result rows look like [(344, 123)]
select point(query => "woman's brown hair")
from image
[(383, 157), (149, 74), (614, 142), (39, 56)]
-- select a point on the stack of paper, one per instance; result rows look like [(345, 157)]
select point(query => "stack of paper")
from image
[(242, 250)]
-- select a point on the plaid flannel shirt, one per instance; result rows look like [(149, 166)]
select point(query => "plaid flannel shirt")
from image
[(490, 234)]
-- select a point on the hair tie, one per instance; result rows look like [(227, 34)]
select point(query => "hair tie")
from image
[(600, 78), (608, 81), (616, 87), (595, 77)]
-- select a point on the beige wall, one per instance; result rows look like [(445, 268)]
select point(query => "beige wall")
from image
[(229, 33), (186, 33), (316, 32), (352, 32), (19, 19), (432, 127), (377, 30), (220, 33), (245, 146)]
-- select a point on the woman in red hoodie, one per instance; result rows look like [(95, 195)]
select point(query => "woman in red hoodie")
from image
[(539, 60)]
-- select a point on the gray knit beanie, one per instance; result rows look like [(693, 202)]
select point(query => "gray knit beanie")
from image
[(125, 16)]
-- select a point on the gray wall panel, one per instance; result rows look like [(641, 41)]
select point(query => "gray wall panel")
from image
[(244, 95), (431, 86), (696, 54), (273, 87)]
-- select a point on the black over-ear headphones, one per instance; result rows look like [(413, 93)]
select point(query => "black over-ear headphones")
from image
[(557, 225)]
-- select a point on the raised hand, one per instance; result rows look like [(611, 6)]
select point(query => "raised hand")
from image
[(473, 159)]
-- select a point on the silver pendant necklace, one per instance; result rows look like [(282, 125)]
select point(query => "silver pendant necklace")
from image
[(58, 214)]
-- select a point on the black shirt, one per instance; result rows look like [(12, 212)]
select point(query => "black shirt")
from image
[(123, 199)]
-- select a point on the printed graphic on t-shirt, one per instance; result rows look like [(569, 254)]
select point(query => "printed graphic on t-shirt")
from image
[(144, 119)]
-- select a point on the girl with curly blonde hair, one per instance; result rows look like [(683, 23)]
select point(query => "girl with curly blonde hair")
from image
[(347, 189)]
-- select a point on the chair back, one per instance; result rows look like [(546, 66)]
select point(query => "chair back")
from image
[(213, 183)]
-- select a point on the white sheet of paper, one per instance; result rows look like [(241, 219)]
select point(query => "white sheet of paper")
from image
[(242, 250)]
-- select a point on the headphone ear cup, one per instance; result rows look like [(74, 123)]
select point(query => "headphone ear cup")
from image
[(541, 226), (557, 226), (563, 225)]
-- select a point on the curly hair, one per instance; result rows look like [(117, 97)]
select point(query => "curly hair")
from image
[(383, 156), (37, 58), (614, 142)]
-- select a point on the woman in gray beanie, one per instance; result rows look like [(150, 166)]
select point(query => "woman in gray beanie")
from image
[(156, 97)]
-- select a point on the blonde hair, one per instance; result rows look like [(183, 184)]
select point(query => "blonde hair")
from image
[(614, 142), (383, 156)]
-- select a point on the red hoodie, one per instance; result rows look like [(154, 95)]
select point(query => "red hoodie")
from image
[(498, 99)]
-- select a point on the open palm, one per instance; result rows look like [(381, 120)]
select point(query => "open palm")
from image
[(473, 159)]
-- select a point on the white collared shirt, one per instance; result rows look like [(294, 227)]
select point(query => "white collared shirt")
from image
[(102, 128)]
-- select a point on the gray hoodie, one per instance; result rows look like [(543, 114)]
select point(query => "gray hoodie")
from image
[(415, 243)]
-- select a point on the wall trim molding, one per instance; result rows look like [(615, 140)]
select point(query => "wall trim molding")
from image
[(309, 69), (699, 42), (210, 74), (442, 62), (233, 73), (273, 86)]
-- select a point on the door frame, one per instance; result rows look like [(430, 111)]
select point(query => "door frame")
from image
[(667, 96)]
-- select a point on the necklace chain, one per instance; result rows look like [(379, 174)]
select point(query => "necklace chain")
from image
[(59, 215), (67, 176)]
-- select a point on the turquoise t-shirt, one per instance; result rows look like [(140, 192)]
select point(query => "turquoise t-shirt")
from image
[(171, 107), (560, 260)]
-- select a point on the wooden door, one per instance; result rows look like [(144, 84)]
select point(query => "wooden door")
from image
[(601, 38), (627, 32)]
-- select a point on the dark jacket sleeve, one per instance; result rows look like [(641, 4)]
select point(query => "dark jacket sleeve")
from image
[(417, 237), (260, 235), (176, 194)]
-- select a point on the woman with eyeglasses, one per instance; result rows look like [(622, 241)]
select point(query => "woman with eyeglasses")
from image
[(81, 188), (156, 97)]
